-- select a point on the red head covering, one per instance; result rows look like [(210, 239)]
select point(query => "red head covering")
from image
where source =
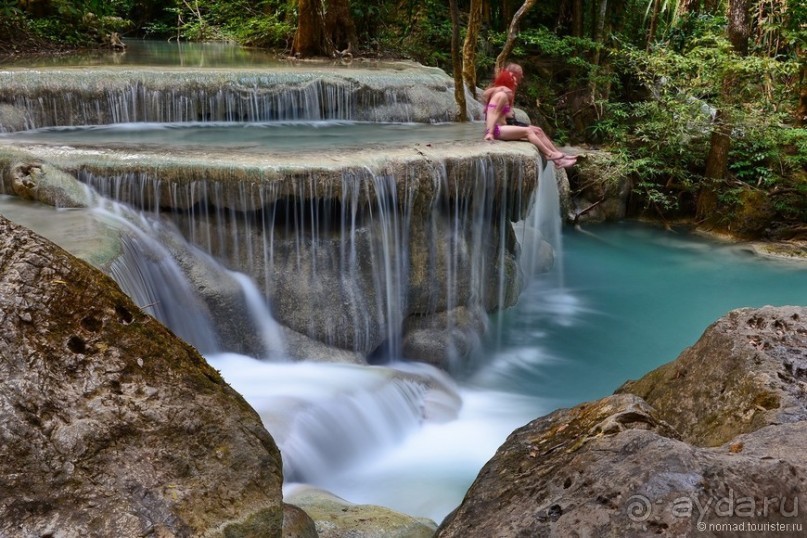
[(505, 78)]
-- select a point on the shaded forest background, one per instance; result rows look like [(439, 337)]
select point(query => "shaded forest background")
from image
[(701, 104)]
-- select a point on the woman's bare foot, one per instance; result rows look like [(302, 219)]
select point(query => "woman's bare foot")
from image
[(566, 161)]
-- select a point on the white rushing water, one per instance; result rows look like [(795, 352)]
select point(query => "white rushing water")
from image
[(362, 434), (403, 435)]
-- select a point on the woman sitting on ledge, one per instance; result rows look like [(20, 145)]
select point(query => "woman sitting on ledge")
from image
[(498, 106)]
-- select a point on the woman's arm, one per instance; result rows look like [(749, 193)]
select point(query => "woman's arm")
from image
[(489, 92)]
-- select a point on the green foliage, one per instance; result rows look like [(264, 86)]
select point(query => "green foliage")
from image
[(666, 126), (9, 11), (268, 23), (370, 18), (265, 32), (423, 34), (696, 30)]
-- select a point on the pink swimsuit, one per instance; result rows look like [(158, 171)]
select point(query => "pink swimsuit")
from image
[(505, 111)]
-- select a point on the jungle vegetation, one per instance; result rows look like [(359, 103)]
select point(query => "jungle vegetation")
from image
[(701, 103)]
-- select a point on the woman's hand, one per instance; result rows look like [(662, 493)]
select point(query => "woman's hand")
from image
[(490, 92)]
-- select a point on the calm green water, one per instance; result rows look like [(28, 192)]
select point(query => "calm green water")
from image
[(633, 297), (171, 54), (153, 53)]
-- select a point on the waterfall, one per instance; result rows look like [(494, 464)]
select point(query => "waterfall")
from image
[(542, 228), (402, 93), (261, 251), (349, 260), (327, 418), (165, 276), (149, 274), (548, 216), (269, 331)]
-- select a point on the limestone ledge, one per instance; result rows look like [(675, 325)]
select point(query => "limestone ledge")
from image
[(394, 92), (249, 181), (431, 196)]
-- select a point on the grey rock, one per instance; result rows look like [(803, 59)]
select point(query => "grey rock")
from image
[(748, 370), (297, 524), (720, 451), (110, 425), (47, 184), (444, 338)]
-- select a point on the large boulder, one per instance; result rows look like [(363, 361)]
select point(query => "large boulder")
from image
[(111, 426), (748, 370), (621, 467)]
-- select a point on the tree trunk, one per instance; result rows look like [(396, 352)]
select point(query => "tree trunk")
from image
[(469, 47), (512, 33), (456, 61), (717, 161), (507, 10), (324, 33), (718, 158), (577, 18), (801, 111), (599, 28), (309, 39), (340, 28), (739, 28), (651, 31)]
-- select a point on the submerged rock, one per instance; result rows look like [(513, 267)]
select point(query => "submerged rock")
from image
[(445, 338), (335, 517), (621, 467), (110, 425)]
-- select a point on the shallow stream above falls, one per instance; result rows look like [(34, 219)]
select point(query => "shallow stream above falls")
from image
[(265, 138), (619, 301)]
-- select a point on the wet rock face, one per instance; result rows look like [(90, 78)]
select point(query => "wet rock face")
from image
[(620, 467), (110, 425)]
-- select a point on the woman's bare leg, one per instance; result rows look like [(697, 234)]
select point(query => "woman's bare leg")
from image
[(535, 135), (512, 132), (545, 139)]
